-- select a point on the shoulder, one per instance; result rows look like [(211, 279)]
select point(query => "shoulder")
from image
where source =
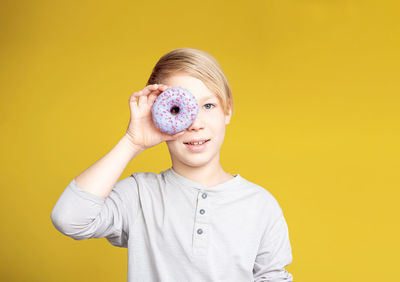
[(269, 202), (130, 187), (147, 181), (146, 177), (125, 188)]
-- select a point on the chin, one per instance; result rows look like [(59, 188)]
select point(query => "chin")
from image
[(196, 164), (187, 159)]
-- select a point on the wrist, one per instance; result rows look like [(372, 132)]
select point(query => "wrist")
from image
[(135, 147)]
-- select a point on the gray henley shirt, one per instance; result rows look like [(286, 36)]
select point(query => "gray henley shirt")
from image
[(178, 230)]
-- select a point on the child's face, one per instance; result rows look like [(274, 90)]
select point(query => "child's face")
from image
[(209, 124)]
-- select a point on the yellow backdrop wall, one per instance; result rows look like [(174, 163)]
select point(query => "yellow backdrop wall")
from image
[(316, 91)]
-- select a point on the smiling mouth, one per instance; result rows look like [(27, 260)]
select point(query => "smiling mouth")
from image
[(197, 143)]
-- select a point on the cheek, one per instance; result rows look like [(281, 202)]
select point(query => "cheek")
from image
[(171, 145), (218, 129), (216, 118)]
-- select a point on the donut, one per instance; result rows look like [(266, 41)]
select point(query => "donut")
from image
[(174, 110)]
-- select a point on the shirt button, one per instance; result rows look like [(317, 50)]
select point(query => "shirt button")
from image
[(204, 195), (202, 211), (199, 231)]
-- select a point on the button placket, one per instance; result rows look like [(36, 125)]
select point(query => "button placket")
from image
[(201, 230)]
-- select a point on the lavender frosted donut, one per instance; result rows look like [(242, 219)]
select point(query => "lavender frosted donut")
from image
[(174, 110)]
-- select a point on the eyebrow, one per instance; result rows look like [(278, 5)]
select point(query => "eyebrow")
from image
[(208, 97)]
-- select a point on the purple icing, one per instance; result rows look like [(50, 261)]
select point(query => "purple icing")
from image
[(174, 110)]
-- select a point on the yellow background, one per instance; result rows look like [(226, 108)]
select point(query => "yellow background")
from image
[(316, 90)]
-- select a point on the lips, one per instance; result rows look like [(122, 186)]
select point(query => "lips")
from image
[(197, 148), (196, 141)]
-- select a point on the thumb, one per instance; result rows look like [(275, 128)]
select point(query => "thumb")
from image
[(167, 137), (176, 136)]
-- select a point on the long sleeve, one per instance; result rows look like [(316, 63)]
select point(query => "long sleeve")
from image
[(274, 253), (80, 214)]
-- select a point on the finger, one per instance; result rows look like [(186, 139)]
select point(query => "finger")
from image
[(177, 135), (167, 137), (163, 87), (142, 100), (138, 94), (152, 88), (149, 88), (133, 99), (152, 97), (133, 104), (159, 87)]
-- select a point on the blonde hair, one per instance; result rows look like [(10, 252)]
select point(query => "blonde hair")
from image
[(196, 63)]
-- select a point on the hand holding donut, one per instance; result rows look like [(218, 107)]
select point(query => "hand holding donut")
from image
[(141, 129)]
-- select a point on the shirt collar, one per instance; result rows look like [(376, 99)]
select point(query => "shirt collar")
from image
[(175, 177)]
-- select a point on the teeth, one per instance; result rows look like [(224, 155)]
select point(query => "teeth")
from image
[(197, 143)]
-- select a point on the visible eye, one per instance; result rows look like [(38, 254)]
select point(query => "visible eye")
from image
[(209, 104)]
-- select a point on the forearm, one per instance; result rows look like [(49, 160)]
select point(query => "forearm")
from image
[(101, 177)]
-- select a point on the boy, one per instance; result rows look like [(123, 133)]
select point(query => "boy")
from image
[(193, 221)]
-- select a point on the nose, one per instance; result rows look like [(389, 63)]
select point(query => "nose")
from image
[(197, 124)]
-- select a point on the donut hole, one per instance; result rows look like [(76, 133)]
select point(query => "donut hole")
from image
[(174, 110)]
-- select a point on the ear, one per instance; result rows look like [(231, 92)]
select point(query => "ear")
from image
[(229, 115)]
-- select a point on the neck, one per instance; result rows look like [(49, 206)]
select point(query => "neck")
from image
[(209, 175)]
